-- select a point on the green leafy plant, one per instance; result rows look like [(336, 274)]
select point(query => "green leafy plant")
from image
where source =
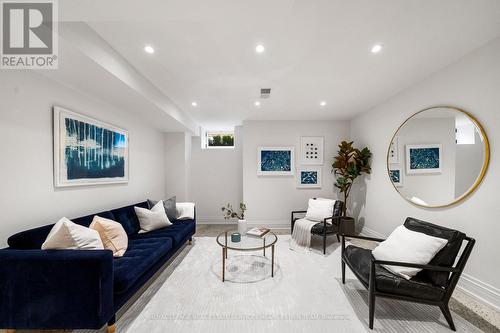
[(227, 140), (217, 140), (230, 213), (349, 164)]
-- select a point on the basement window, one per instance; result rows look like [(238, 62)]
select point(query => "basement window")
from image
[(219, 139)]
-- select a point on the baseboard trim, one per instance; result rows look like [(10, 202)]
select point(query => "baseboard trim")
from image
[(274, 224), (371, 233), (480, 291), (483, 293), (211, 220)]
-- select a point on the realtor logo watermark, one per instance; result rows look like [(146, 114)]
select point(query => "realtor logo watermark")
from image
[(29, 34)]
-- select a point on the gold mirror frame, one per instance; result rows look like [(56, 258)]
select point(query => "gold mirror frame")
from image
[(479, 179)]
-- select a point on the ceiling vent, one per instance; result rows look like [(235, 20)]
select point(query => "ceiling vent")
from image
[(265, 92)]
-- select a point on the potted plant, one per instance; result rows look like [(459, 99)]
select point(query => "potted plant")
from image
[(230, 213), (349, 164)]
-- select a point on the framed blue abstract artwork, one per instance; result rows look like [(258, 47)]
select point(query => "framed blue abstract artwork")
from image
[(88, 151), (309, 177), (275, 161), (423, 158), (396, 176)]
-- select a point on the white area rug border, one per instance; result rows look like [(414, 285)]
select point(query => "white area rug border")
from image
[(481, 292)]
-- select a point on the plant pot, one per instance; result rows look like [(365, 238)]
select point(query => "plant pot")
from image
[(347, 226), (242, 227)]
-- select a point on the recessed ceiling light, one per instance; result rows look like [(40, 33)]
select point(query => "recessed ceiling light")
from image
[(149, 49), (257, 103), (259, 48), (376, 48), (323, 103), (194, 104)]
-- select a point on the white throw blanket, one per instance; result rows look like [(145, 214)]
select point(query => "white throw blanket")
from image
[(301, 236)]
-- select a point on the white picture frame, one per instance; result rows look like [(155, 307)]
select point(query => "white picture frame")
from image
[(396, 176), (393, 154), (424, 158), (311, 150), (304, 181), (275, 161), (115, 171)]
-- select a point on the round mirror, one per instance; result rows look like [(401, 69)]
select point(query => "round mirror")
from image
[(438, 156)]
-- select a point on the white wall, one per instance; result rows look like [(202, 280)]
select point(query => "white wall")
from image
[(215, 179), (270, 199), (177, 165), (474, 85), (468, 165), (28, 197)]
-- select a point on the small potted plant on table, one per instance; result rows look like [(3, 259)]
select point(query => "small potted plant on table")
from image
[(231, 213)]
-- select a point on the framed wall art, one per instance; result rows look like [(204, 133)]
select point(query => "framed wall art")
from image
[(393, 156), (88, 151), (423, 158), (275, 161), (311, 150), (309, 177), (395, 173)]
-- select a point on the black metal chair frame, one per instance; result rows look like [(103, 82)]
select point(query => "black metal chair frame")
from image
[(450, 286), (335, 225)]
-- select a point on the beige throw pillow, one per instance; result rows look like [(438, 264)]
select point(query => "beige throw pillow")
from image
[(112, 234), (66, 235)]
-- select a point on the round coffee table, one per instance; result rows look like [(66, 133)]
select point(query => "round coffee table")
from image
[(247, 243)]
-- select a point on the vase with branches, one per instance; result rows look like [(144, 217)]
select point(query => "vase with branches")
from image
[(239, 214), (349, 164)]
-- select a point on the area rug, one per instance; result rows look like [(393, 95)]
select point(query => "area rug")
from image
[(305, 295)]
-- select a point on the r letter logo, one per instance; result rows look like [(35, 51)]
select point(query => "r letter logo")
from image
[(29, 34)]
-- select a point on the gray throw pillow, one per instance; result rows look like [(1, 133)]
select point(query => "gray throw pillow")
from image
[(169, 205)]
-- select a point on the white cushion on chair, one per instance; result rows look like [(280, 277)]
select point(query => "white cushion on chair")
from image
[(408, 246), (319, 209)]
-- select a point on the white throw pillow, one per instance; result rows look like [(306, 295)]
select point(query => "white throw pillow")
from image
[(71, 236), (153, 219), (319, 209), (185, 210), (409, 246)]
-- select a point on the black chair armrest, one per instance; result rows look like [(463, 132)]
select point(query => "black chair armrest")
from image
[(365, 238), (298, 212), (407, 264)]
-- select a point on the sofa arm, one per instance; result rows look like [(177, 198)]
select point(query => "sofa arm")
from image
[(56, 289)]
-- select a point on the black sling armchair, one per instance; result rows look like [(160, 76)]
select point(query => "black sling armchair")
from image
[(433, 285), (324, 228)]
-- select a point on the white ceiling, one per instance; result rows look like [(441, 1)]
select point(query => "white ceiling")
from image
[(315, 50)]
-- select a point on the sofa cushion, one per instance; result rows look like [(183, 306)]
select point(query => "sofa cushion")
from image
[(360, 259), (141, 255), (178, 232), (33, 238), (169, 205), (446, 257), (127, 218)]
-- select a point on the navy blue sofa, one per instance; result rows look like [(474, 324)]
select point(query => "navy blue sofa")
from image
[(81, 289)]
